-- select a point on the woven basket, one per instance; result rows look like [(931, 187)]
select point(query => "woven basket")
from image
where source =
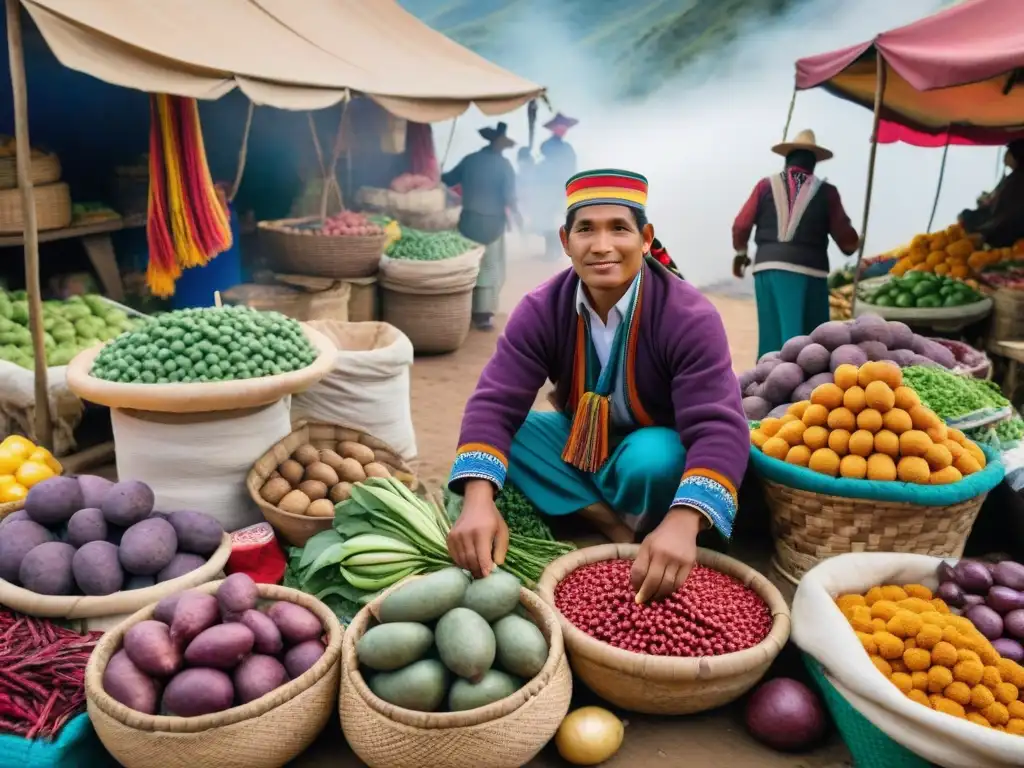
[(53, 208), (1007, 315), (418, 201), (969, 360), (505, 734), (317, 298), (435, 323), (340, 257), (297, 529), (10, 507), (265, 733), (662, 685), (45, 170), (374, 198), (809, 527)]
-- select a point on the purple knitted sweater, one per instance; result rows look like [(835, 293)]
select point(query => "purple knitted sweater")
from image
[(683, 379)]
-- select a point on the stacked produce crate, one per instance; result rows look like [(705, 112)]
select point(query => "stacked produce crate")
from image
[(52, 196)]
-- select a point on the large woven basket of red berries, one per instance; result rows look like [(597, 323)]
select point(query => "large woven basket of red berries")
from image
[(344, 246), (702, 647)]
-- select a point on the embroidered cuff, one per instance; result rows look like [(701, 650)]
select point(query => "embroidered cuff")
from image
[(715, 500), (476, 461)]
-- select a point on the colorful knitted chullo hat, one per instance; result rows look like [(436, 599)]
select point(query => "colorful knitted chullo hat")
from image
[(606, 186)]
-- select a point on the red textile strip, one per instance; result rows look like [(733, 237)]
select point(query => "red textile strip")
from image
[(162, 270), (589, 182)]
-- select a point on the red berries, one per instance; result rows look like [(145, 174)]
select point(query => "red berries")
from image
[(710, 615)]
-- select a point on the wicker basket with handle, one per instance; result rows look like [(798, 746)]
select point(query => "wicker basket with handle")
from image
[(297, 529), (297, 248), (505, 734), (10, 507), (435, 323), (664, 685), (264, 733), (53, 208), (300, 297)]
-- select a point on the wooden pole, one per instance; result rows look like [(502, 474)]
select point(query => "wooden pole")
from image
[(938, 187), (879, 101), (16, 54)]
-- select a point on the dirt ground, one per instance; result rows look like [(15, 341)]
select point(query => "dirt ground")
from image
[(440, 388)]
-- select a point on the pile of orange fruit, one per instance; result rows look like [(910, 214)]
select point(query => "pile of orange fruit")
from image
[(950, 252), (869, 425), (936, 659), (22, 465)]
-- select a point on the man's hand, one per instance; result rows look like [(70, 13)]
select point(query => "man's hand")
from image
[(667, 555), (739, 265), (479, 539)]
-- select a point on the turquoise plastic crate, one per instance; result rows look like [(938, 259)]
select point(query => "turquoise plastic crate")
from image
[(868, 745)]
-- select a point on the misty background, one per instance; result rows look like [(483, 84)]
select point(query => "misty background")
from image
[(693, 94)]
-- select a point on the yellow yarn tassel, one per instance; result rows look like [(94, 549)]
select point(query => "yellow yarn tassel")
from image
[(188, 251), (587, 446)]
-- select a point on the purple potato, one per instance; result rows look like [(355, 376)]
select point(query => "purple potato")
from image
[(222, 646), (127, 503), (129, 685), (303, 657), (86, 525), (194, 613), (268, 636), (200, 691), (198, 533), (46, 569), (257, 676), (17, 539), (237, 594), (149, 646), (1009, 574), (180, 564), (94, 489), (973, 576), (297, 624), (54, 500), (986, 621), (96, 568), (21, 514), (148, 546)]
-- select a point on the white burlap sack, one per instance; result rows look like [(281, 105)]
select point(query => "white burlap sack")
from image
[(820, 629), (200, 464), (431, 276), (17, 405), (368, 388)]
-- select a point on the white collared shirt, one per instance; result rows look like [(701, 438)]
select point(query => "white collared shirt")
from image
[(602, 336)]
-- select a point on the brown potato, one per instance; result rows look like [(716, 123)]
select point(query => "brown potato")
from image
[(357, 451), (331, 458), (351, 471), (296, 502), (320, 471), (306, 455), (321, 508), (387, 457), (373, 469), (341, 492), (315, 489), (274, 490), (291, 471)]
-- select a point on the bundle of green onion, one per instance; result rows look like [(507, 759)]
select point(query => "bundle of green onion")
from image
[(381, 535)]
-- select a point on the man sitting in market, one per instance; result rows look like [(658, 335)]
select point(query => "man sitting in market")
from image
[(648, 418), (999, 217)]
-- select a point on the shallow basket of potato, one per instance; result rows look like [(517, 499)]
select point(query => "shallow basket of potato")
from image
[(268, 732), (863, 466), (299, 480), (667, 685), (505, 734)]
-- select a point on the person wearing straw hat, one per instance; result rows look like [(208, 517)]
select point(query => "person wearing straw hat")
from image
[(488, 200), (794, 214), (559, 164), (648, 423)]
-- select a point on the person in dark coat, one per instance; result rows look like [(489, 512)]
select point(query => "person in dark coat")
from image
[(999, 217), (488, 184), (794, 214), (558, 165)]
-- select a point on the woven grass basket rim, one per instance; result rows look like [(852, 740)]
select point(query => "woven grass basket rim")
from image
[(665, 668), (254, 481), (111, 642), (547, 621), (278, 227), (10, 507)]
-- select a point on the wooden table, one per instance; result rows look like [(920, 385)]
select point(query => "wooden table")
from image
[(98, 245), (1013, 353)]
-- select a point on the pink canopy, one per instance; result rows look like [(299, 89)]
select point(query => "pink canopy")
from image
[(949, 77)]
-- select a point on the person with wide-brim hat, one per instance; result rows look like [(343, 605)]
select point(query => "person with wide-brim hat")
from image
[(794, 214), (488, 184), (558, 165), (647, 438)]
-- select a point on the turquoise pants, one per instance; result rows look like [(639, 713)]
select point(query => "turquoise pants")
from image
[(638, 481), (788, 305)]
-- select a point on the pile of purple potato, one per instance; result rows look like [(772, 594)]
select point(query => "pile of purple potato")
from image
[(991, 596), (804, 362), (204, 653), (89, 536)]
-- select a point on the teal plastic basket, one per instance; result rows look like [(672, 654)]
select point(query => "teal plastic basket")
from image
[(868, 745), (76, 746)]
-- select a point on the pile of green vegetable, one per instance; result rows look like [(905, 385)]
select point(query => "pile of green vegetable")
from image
[(923, 290), (384, 533), (950, 395), (1002, 436), (519, 513), (417, 245), (476, 632), (210, 344), (71, 326)]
